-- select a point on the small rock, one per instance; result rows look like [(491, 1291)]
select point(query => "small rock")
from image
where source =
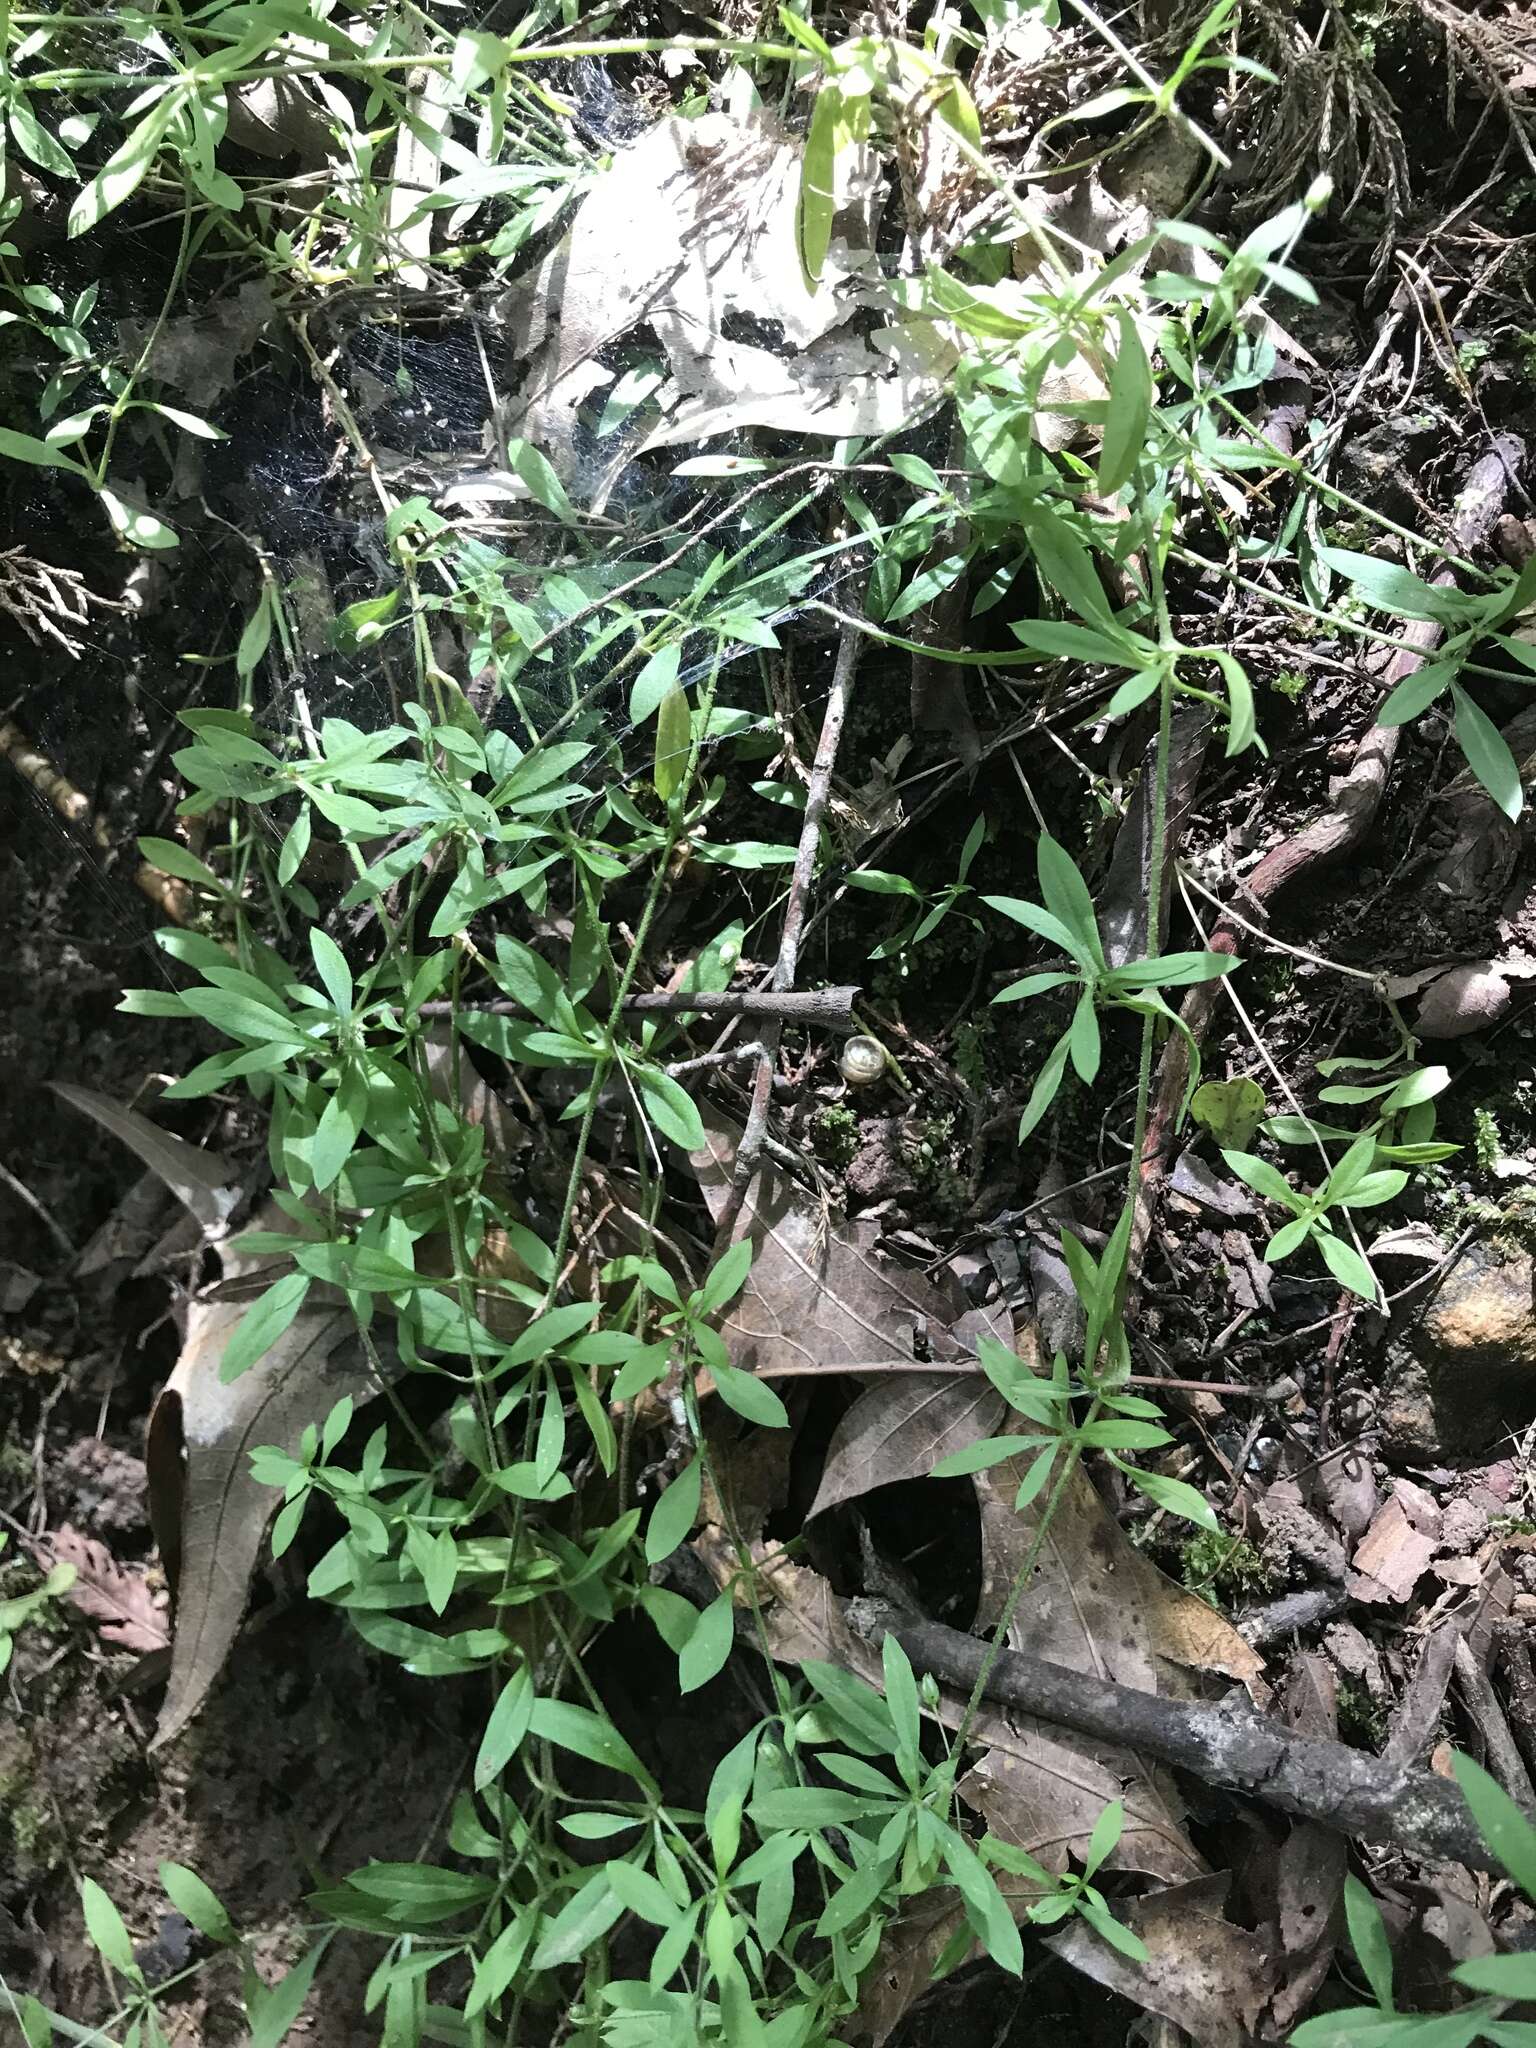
[(1296, 1543), (1344, 1488), (102, 1489), (1467, 999), (1471, 1360), (1463, 1526), (1356, 1656)]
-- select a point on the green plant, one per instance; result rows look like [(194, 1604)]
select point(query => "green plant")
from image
[(21, 1608), (1066, 921), (1221, 1566), (1354, 1183), (1487, 1143), (1501, 1979), (931, 911)]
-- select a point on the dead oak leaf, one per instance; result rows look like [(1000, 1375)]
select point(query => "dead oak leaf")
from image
[(117, 1597)]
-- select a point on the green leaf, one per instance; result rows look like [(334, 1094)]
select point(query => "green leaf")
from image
[(525, 462), (1173, 1496), (640, 1893), (172, 858), (1264, 1179), (1045, 926), (1230, 1110), (1173, 970), (674, 741), (586, 1734), (34, 141), (709, 1644), (504, 1731), (331, 966), (1505, 1976), (1107, 1830), (1417, 692), (1506, 1830), (1389, 588), (916, 471), (1487, 753), (104, 1925), (580, 1923), (1083, 1037), (670, 1107), (274, 2010), (1067, 897), (674, 1514), (750, 1397), (817, 202), (268, 1316), (655, 681), (40, 454), (195, 1901), (979, 1456), (1065, 563), (1368, 1938), (124, 171), (1043, 1094), (1129, 410), (1031, 985), (255, 636)]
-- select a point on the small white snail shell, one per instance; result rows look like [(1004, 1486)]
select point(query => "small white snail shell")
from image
[(862, 1061)]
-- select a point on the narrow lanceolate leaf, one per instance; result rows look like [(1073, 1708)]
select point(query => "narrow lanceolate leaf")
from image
[(509, 1722), (1130, 410), (124, 171), (268, 1316), (1487, 753), (674, 733), (818, 183)]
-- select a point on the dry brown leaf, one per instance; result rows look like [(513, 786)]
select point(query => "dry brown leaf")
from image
[(1395, 1551), (209, 1513), (900, 1428), (1096, 1605), (818, 1294), (1207, 1976), (115, 1596)]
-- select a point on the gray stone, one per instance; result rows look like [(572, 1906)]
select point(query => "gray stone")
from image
[(1468, 1365)]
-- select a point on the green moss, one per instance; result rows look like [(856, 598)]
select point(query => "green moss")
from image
[(1486, 1142), (928, 1147), (1223, 1569), (1289, 683), (835, 1135), (1362, 1723)]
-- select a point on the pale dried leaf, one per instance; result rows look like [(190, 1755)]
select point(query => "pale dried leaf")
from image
[(1394, 1553), (209, 1514), (690, 224), (818, 1294), (1207, 1976), (1099, 1606), (900, 1428), (203, 1182), (115, 1596)]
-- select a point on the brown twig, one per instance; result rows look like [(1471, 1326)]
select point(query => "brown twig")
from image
[(844, 674), (1325, 840), (1229, 1745), (830, 1007)]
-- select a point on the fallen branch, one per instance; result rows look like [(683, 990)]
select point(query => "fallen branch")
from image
[(1326, 840), (1230, 1746), (831, 1007)]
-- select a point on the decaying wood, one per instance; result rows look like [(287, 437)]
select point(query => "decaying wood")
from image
[(1230, 1745)]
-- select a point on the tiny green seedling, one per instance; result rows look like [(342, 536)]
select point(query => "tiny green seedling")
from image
[(1355, 1183), (1066, 921)]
